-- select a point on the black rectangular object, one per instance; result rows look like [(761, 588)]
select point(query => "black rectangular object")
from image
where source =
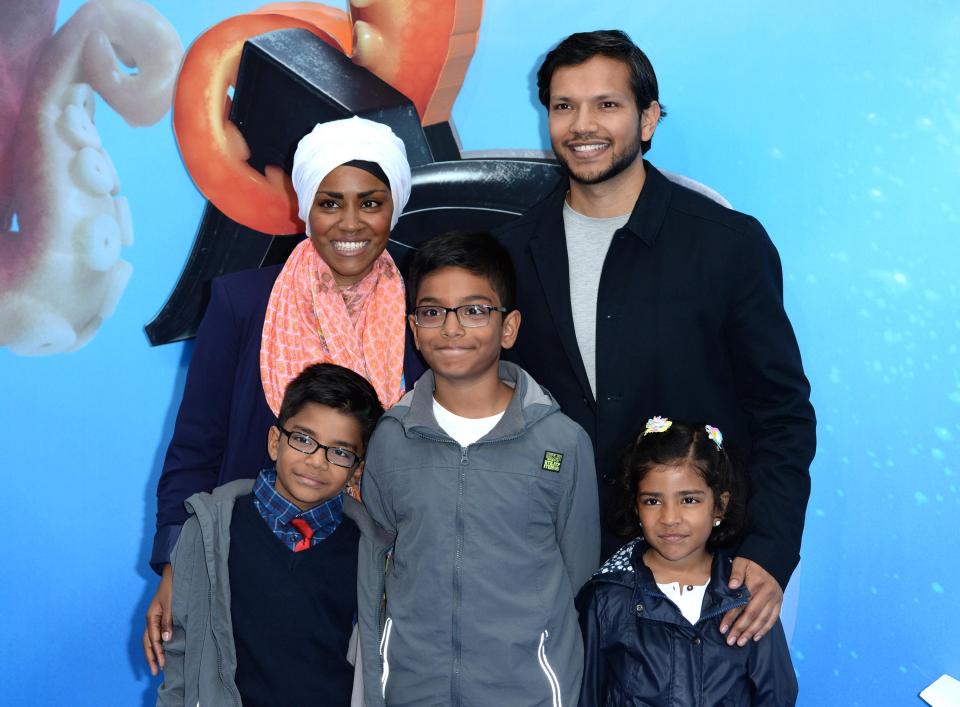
[(290, 80)]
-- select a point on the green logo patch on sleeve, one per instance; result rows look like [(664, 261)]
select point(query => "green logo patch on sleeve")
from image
[(552, 461)]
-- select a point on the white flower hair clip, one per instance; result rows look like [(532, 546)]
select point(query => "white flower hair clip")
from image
[(657, 424), (716, 435)]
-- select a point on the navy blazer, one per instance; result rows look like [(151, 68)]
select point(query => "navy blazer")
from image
[(690, 325), (221, 428)]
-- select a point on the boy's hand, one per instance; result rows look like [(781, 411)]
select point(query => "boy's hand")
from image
[(159, 622), (763, 610)]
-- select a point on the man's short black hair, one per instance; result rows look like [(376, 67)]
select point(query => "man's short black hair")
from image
[(335, 387), (611, 43), (478, 252)]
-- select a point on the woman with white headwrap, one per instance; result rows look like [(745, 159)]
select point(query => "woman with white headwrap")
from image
[(339, 298)]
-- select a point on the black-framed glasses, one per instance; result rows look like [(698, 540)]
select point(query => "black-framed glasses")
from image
[(304, 443), (432, 316)]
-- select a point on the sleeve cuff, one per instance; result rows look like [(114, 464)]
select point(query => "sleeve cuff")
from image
[(779, 563), (163, 544)]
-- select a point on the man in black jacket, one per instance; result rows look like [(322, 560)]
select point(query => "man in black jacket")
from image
[(641, 297)]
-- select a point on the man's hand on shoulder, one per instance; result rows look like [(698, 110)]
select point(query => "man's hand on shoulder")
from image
[(159, 622), (756, 618)]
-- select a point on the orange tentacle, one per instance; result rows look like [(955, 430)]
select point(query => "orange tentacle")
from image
[(212, 148)]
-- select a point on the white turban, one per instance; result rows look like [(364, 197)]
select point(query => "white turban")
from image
[(332, 144)]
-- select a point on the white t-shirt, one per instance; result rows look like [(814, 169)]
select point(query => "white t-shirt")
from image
[(688, 598), (465, 430), (588, 240)]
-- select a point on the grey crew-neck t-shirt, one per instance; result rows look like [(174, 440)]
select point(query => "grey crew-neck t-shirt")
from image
[(588, 240)]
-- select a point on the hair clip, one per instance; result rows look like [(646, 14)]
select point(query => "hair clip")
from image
[(656, 424), (716, 435)]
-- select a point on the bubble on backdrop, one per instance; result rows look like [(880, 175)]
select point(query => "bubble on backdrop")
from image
[(837, 127)]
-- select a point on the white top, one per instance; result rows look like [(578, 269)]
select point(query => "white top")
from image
[(588, 240), (687, 597), (465, 430)]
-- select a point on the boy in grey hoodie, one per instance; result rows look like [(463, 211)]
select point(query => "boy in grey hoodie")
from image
[(264, 572), (492, 495)]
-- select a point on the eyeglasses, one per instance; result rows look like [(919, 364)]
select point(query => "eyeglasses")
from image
[(304, 443), (432, 316)]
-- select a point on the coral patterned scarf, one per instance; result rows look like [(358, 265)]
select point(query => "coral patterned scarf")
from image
[(308, 321)]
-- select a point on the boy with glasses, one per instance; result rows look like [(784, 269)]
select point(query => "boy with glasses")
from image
[(265, 570), (492, 495)]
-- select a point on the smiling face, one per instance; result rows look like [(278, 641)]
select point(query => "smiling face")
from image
[(456, 353), (307, 480), (595, 126), (350, 222), (677, 511)]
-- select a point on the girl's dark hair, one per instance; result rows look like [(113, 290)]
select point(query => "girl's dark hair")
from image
[(682, 442), (334, 387)]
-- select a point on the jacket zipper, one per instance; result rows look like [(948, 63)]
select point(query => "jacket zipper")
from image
[(458, 566), (216, 642), (722, 610), (385, 658), (548, 670), (382, 616), (458, 580)]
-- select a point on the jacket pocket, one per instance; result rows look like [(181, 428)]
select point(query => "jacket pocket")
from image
[(548, 670), (385, 656)]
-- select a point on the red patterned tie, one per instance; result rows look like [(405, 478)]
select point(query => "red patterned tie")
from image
[(305, 530)]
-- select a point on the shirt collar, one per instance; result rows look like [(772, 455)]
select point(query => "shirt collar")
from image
[(278, 511)]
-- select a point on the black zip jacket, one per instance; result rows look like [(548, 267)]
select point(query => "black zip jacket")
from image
[(640, 650)]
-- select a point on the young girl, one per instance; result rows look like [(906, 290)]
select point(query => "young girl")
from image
[(651, 614)]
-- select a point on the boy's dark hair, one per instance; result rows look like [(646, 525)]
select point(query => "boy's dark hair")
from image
[(335, 387), (613, 44), (478, 252), (683, 442)]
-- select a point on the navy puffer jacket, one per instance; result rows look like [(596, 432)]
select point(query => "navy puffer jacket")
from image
[(640, 650)]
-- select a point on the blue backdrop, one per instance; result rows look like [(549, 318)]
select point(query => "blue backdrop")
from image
[(839, 128)]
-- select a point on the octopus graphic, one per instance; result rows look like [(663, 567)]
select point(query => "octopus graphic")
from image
[(63, 222)]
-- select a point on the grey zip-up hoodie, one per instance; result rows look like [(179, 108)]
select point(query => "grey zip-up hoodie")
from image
[(201, 659), (475, 604)]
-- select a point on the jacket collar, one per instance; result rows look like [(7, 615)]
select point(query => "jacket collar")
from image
[(218, 502), (645, 222), (646, 219), (626, 568), (529, 404)]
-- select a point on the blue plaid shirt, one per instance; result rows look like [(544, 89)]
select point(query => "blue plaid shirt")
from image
[(277, 512)]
